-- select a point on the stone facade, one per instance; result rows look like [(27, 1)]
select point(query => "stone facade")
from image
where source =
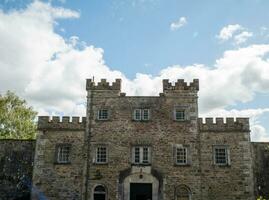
[(103, 157), (16, 166), (226, 182), (54, 180)]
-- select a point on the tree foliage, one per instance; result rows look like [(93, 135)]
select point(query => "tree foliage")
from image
[(16, 118)]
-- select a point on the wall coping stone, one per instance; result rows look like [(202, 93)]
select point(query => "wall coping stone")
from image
[(61, 123), (239, 124)]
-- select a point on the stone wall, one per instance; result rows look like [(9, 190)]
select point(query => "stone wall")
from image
[(260, 154), (76, 180), (16, 165), (120, 133), (204, 179), (232, 181), (53, 180)]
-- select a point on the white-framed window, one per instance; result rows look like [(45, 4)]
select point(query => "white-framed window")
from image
[(63, 153), (137, 114), (179, 114), (181, 155), (141, 114), (145, 114), (102, 114), (101, 155), (221, 155), (141, 154)]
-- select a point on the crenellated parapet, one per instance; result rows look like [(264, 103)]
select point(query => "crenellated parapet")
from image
[(64, 123), (103, 85), (180, 85), (239, 124)]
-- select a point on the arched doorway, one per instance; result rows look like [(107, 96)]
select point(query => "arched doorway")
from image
[(99, 193), (140, 182), (141, 186), (183, 192)]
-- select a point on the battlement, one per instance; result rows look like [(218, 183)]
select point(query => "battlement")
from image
[(64, 123), (240, 124), (103, 85), (181, 85)]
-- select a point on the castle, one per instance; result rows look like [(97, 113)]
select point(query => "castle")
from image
[(136, 147), (143, 147)]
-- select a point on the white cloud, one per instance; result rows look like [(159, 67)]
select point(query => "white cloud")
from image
[(258, 132), (264, 32), (178, 24), (242, 37), (47, 12), (43, 67), (227, 32), (235, 32), (263, 29), (235, 78), (50, 71), (238, 74)]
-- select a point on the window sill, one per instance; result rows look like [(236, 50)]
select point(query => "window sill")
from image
[(222, 165), (104, 163), (62, 163), (181, 120), (141, 120), (182, 165), (103, 120), (141, 164)]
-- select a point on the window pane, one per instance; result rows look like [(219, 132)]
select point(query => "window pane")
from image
[(63, 154), (101, 156), (141, 155), (103, 114), (145, 114), (137, 155), (181, 155), (137, 114), (180, 115), (220, 156), (145, 155)]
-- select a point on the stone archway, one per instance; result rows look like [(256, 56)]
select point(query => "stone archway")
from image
[(99, 193), (182, 192), (143, 176)]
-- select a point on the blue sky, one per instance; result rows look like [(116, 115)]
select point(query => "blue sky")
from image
[(223, 43), (136, 37)]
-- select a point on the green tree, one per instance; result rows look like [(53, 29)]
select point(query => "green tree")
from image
[(16, 118)]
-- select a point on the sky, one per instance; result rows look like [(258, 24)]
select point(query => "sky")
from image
[(49, 48)]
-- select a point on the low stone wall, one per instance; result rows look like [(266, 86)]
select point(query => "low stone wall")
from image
[(260, 152), (16, 166)]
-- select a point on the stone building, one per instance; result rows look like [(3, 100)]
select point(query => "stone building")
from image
[(141, 148)]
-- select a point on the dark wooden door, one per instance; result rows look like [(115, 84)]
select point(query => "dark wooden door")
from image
[(99, 197), (140, 191)]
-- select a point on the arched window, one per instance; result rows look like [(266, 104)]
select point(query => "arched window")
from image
[(99, 193), (183, 192)]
